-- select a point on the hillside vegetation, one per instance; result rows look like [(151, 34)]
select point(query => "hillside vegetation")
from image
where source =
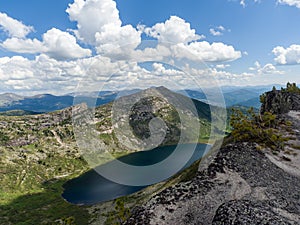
[(39, 153)]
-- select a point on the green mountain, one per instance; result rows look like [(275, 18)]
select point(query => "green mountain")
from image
[(39, 153)]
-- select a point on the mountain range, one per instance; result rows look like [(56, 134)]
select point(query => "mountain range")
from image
[(233, 96)]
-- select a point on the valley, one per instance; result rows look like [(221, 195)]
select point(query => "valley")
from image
[(39, 154)]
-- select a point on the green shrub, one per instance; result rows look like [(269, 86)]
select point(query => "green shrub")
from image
[(257, 128), (262, 98), (68, 221), (3, 138), (120, 213), (292, 88)]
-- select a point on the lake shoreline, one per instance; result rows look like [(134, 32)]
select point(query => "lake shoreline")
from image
[(74, 191)]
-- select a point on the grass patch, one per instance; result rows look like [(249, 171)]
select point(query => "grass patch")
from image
[(44, 207), (30, 189)]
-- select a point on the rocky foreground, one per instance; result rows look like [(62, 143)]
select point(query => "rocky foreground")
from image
[(237, 184), (240, 186)]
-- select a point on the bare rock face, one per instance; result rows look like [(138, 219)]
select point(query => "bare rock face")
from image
[(248, 212), (240, 186), (279, 102)]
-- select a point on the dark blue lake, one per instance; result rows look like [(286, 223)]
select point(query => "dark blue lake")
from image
[(91, 188)]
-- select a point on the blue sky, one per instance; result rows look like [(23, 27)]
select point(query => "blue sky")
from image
[(45, 46)]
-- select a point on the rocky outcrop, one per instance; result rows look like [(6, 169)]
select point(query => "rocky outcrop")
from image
[(158, 116), (240, 186), (250, 212), (280, 102)]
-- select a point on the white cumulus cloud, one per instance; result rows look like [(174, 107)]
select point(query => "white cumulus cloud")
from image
[(269, 69), (13, 27), (62, 45), (99, 24), (174, 30), (204, 51), (61, 62), (160, 69), (21, 45), (217, 31), (183, 42), (290, 55), (56, 43), (266, 69), (290, 2), (15, 68), (244, 4), (42, 74), (92, 16)]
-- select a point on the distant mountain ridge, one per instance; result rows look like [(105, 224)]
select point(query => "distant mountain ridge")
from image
[(47, 102), (44, 103), (17, 113), (233, 96), (7, 98)]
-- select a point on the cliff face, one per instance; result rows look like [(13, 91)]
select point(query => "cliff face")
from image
[(280, 102), (237, 184)]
